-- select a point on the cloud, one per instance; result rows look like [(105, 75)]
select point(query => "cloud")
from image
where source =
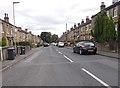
[(49, 15)]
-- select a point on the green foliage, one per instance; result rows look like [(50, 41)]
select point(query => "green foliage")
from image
[(4, 41), (54, 38), (109, 32), (104, 29), (46, 36), (119, 26), (0, 43), (118, 32), (97, 31), (24, 43)]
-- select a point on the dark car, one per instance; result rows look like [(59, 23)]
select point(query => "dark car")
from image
[(46, 44), (85, 47)]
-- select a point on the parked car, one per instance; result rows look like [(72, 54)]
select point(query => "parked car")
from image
[(85, 47), (45, 44), (54, 44), (60, 44)]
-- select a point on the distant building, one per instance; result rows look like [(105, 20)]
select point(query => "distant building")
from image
[(1, 30), (7, 30), (112, 10), (79, 32), (83, 30)]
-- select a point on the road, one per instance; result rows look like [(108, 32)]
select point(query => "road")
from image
[(53, 66)]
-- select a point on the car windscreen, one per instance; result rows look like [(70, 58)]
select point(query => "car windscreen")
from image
[(87, 44), (61, 43)]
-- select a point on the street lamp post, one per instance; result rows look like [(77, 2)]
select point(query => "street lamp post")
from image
[(14, 25), (66, 33)]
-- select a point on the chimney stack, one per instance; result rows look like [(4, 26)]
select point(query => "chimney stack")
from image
[(114, 1), (82, 22), (87, 19), (74, 25), (102, 7), (6, 18), (71, 28), (26, 30), (78, 24)]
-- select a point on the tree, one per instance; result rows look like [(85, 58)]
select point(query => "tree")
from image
[(109, 33), (118, 31), (46, 36), (0, 43), (54, 38), (104, 29), (4, 41), (97, 31)]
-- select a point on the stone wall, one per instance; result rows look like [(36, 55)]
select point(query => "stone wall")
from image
[(105, 47), (5, 53), (18, 51)]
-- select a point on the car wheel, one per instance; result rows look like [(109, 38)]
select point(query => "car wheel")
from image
[(94, 53), (74, 51), (80, 52)]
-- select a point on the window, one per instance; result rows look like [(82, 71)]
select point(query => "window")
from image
[(116, 26), (87, 27), (90, 26), (108, 13), (115, 12)]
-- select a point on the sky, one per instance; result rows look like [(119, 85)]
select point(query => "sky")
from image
[(49, 15)]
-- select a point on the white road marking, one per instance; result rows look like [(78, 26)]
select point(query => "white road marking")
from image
[(68, 58), (59, 52), (99, 80)]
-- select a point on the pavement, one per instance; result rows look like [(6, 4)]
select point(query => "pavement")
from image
[(108, 54), (8, 63)]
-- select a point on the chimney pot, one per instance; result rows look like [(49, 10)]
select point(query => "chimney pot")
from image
[(6, 18), (87, 19), (78, 24), (102, 7), (5, 14), (82, 22), (114, 1), (74, 25), (102, 3), (26, 30)]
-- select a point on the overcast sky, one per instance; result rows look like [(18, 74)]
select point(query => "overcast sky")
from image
[(50, 15)]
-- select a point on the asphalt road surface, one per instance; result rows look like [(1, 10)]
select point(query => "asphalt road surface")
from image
[(53, 66)]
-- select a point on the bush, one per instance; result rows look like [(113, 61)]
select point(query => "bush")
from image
[(25, 43), (0, 43), (4, 41)]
